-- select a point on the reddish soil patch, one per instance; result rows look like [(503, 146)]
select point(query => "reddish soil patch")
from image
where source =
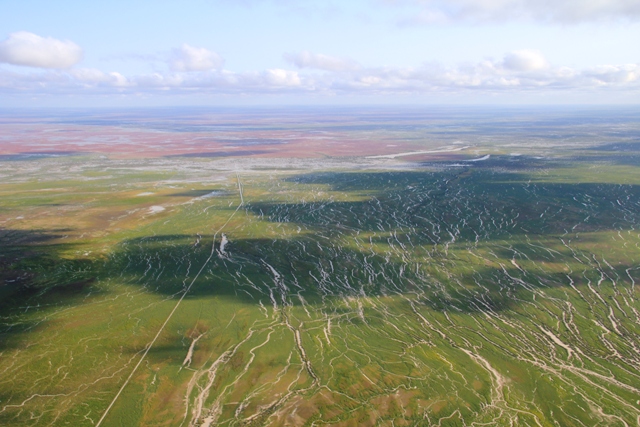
[(140, 137)]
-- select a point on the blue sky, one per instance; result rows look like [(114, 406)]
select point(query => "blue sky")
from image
[(218, 52)]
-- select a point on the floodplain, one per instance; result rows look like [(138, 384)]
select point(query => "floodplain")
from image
[(313, 267)]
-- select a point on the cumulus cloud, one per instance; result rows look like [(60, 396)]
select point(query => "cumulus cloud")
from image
[(564, 11), (189, 58), (614, 74), (89, 75), (92, 77), (279, 77), (518, 72), (525, 60), (319, 61), (24, 48)]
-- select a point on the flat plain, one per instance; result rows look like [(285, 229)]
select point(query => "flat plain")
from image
[(320, 267)]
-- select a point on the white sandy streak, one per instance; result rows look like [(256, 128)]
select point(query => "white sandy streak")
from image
[(411, 153), (479, 159), (186, 291)]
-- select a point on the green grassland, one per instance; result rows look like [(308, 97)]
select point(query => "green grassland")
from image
[(489, 294)]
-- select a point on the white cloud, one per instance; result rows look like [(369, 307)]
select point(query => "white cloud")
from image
[(189, 58), (91, 77), (321, 62), (525, 60), (564, 11), (279, 77), (24, 48), (612, 74), (520, 72), (118, 80)]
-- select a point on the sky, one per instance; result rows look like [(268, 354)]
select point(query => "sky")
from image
[(73, 53)]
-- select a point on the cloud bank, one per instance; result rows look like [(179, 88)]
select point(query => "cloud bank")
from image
[(31, 50), (282, 78), (525, 60), (559, 11), (319, 61), (518, 74), (188, 58)]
